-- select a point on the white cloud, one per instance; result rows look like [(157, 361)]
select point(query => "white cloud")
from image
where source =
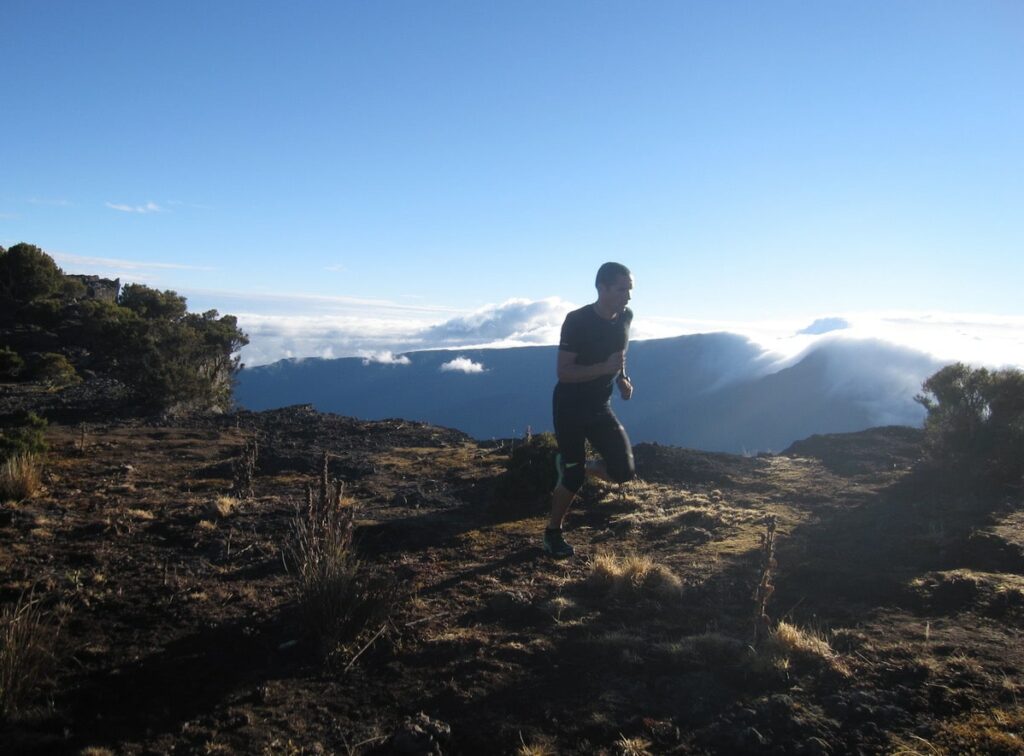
[(462, 365), (49, 202), (149, 207), (334, 268), (515, 321), (385, 357)]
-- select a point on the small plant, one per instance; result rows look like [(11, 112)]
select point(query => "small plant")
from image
[(20, 477), (765, 586), (11, 364), (26, 651), (337, 595)]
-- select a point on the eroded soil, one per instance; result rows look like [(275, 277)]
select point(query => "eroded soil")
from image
[(179, 632)]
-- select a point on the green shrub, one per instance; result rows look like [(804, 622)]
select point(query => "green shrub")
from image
[(23, 435), (11, 363), (531, 469), (975, 422), (54, 370)]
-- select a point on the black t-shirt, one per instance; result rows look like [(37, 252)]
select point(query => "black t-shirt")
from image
[(593, 339)]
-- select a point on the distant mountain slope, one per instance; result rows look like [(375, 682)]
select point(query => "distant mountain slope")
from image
[(718, 392)]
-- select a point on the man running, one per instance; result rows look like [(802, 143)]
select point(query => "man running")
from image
[(591, 359)]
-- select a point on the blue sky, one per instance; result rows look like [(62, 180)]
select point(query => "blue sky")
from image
[(356, 177)]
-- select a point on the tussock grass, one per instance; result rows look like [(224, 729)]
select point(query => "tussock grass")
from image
[(632, 576), (539, 746), (633, 746), (788, 644), (26, 651), (20, 477), (222, 507)]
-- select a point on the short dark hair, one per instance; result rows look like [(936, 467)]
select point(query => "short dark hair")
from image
[(608, 273)]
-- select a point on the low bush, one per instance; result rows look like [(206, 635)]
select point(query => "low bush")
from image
[(54, 370), (11, 364), (531, 469), (24, 434)]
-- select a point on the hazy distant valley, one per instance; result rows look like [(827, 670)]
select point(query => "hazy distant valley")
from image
[(716, 392)]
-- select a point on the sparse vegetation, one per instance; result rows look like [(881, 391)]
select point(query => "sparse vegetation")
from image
[(788, 644), (26, 651), (337, 595)]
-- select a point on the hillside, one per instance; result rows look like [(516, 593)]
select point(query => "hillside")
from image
[(718, 391), (902, 605)]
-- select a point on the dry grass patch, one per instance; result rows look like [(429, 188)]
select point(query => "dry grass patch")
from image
[(222, 507), (705, 651), (26, 651), (633, 576), (789, 644), (20, 477)]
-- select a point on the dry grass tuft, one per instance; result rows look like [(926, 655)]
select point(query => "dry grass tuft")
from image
[(789, 644), (20, 477), (222, 507), (633, 576), (26, 651), (540, 746), (633, 746)]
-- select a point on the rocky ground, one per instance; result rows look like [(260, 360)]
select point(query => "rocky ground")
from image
[(896, 615)]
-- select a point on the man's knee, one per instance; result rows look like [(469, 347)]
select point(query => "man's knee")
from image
[(573, 475)]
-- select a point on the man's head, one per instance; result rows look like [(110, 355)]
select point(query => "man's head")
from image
[(614, 282)]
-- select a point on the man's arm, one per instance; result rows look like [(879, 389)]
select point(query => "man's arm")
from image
[(570, 372)]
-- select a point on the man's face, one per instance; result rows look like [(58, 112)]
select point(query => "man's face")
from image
[(615, 296)]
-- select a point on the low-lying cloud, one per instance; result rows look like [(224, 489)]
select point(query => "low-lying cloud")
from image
[(385, 358), (518, 322), (462, 365)]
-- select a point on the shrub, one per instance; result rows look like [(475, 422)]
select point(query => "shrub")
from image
[(975, 422), (54, 370), (531, 469), (26, 640), (24, 435), (11, 363), (20, 477)]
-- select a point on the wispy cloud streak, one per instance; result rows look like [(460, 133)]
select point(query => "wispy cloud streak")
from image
[(149, 207)]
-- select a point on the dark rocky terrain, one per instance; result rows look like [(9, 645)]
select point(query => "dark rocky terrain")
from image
[(897, 610)]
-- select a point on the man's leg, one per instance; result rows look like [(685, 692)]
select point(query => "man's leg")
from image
[(572, 443), (610, 440)]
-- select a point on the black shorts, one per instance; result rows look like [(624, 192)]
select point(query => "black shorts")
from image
[(578, 421)]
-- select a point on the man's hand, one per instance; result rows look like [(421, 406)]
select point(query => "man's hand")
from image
[(625, 387)]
